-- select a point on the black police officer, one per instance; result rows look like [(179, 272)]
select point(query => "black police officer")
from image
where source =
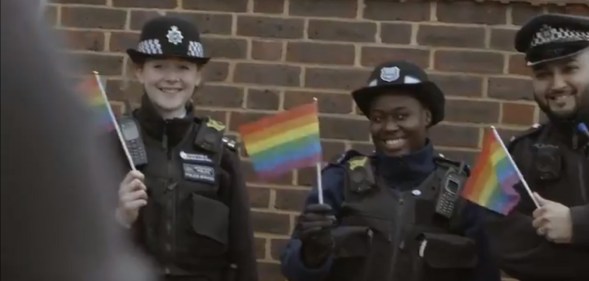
[(551, 242), (380, 220), (187, 205)]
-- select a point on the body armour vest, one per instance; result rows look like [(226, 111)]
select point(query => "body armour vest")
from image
[(185, 223), (382, 230)]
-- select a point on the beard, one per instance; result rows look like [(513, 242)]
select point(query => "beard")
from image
[(579, 114)]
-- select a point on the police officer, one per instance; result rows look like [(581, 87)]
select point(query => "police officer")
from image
[(187, 204), (394, 214), (551, 242)]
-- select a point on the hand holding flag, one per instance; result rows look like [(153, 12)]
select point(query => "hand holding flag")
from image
[(491, 183)]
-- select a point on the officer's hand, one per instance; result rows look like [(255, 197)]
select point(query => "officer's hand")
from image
[(315, 226), (132, 196), (553, 221)]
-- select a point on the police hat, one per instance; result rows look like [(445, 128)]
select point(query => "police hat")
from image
[(406, 76), (552, 36), (167, 36)]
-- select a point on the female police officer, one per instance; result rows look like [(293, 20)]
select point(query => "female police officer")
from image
[(187, 207), (394, 215)]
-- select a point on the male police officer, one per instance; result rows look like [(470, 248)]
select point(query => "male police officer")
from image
[(552, 242), (393, 215)]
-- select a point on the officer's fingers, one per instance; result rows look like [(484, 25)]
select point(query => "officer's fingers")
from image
[(541, 231), (539, 212), (136, 184), (134, 205), (539, 222), (318, 208), (139, 194), (316, 224)]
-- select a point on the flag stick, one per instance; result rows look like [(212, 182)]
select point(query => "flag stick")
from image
[(318, 171), (114, 121), (519, 174)]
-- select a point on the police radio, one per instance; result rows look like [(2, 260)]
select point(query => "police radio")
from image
[(132, 137), (448, 195)]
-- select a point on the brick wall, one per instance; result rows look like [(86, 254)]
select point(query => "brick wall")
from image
[(271, 55)]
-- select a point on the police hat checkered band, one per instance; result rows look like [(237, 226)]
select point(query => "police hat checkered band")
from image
[(150, 47), (548, 34), (195, 49)]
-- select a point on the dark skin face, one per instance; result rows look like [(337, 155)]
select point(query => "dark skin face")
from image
[(398, 123)]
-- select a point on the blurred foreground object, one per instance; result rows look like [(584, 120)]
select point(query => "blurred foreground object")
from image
[(57, 196)]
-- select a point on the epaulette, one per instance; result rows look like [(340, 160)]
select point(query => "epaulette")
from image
[(229, 143), (210, 134), (344, 157), (441, 160), (536, 128)]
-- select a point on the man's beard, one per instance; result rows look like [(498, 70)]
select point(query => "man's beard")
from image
[(581, 114)]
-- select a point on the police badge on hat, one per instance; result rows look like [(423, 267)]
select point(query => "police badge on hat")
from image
[(167, 36), (389, 74), (552, 36)]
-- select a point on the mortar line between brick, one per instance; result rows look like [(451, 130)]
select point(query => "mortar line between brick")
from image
[(501, 105), (286, 8), (360, 9), (246, 92), (267, 250), (179, 5), (272, 200), (250, 6), (378, 34), (266, 235), (487, 37), (128, 20), (509, 15), (234, 24), (414, 31), (109, 3), (107, 36), (433, 16), (505, 64)]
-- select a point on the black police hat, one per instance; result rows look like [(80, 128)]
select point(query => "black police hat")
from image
[(402, 75), (552, 36), (167, 36)]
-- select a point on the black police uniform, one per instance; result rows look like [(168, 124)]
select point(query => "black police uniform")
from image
[(386, 207), (553, 159), (196, 224)]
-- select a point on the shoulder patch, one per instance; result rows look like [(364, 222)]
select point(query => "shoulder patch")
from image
[(448, 163), (532, 130), (344, 157), (214, 124)]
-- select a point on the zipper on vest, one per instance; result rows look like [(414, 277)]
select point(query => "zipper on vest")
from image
[(397, 238)]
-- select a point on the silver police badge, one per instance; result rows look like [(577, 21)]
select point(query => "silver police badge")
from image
[(174, 35), (389, 74)]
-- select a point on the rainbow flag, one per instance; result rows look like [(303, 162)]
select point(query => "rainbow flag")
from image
[(97, 102), (283, 142), (492, 180)]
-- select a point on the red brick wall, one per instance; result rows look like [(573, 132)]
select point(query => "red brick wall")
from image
[(270, 55)]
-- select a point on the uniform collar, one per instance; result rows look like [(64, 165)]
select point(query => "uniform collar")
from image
[(409, 169), (156, 127)]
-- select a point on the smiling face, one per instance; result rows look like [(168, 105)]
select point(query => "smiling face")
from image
[(398, 123), (169, 83), (561, 87)]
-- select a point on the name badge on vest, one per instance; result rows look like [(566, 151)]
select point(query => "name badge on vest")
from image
[(198, 167), (197, 172), (196, 157)]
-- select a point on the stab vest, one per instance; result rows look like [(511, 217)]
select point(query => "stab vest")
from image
[(381, 229), (185, 224)]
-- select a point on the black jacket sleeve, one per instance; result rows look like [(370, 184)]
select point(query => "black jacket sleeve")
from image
[(580, 217), (240, 228)]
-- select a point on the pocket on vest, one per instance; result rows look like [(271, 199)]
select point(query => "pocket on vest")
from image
[(447, 257), (210, 218)]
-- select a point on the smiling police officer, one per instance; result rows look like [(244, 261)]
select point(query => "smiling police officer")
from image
[(551, 242), (187, 205), (395, 214)]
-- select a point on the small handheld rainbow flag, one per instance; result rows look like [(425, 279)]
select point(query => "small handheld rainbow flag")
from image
[(99, 105), (93, 90), (492, 180), (283, 142)]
